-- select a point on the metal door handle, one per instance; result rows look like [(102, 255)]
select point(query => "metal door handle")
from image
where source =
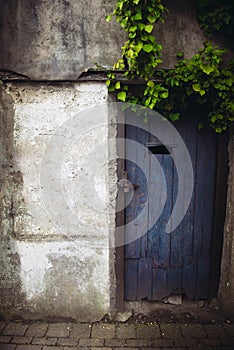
[(127, 185)]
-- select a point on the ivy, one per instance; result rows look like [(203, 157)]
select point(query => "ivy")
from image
[(216, 18), (141, 53), (201, 80)]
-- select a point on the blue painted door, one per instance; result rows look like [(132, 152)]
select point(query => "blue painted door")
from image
[(159, 264)]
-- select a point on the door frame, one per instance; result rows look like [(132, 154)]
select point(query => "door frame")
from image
[(219, 211), (120, 214)]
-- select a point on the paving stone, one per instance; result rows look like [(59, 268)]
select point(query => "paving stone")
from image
[(115, 342), (229, 328), (185, 342), (37, 330), (125, 331), (104, 336), (67, 342), (215, 331), (101, 330), (227, 341), (2, 326), (193, 331), (147, 331), (170, 331), (91, 342), (102, 348), (82, 330), (15, 329), (45, 341), (210, 341), (7, 346), (180, 348), (21, 340), (163, 343), (28, 347), (138, 342), (5, 338), (51, 347), (127, 349), (58, 330)]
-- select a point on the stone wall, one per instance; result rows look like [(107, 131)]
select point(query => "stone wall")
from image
[(54, 235), (226, 294), (57, 40), (60, 40)]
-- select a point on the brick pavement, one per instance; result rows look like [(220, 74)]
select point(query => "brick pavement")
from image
[(118, 336)]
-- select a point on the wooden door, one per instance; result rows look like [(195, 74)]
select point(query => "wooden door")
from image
[(159, 264)]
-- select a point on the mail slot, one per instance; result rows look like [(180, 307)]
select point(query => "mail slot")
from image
[(159, 148)]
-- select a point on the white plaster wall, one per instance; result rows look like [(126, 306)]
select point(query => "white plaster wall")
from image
[(61, 220)]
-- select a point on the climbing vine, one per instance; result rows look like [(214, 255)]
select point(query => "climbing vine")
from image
[(216, 16), (202, 80)]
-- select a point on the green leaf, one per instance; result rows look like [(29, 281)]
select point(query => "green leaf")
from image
[(149, 28), (139, 46), (150, 83), (136, 1), (159, 47), (148, 47), (180, 55), (228, 81), (165, 94), (213, 119), (201, 126), (130, 53), (147, 101), (174, 116), (132, 35), (117, 85), (122, 96), (151, 19), (207, 69), (133, 29), (138, 16), (111, 75), (108, 83), (141, 26), (196, 87), (151, 38), (108, 18)]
